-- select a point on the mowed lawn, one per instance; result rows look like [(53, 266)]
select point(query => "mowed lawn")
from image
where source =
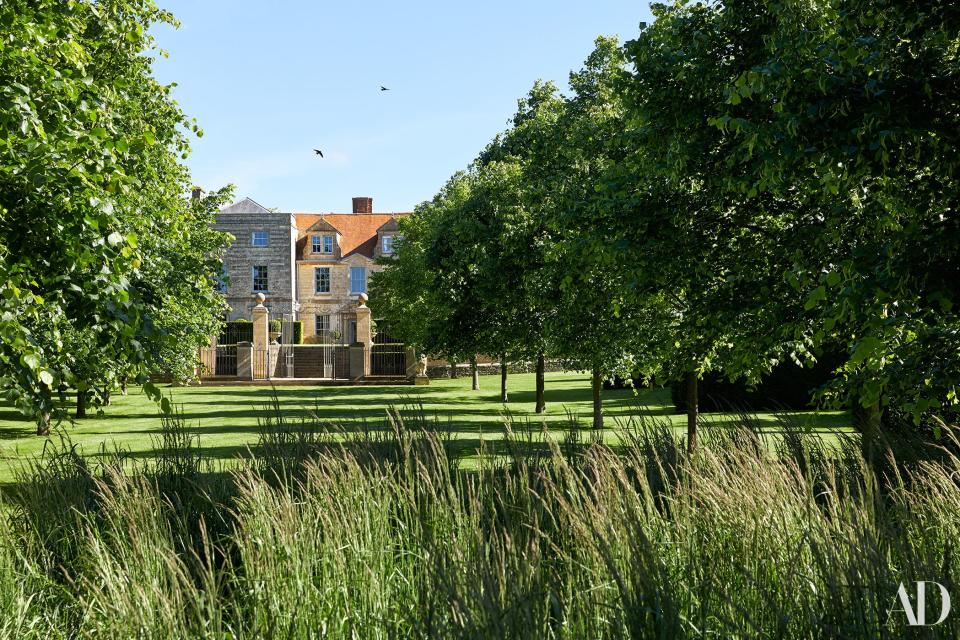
[(225, 418)]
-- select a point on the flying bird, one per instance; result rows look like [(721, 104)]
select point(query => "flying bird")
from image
[(318, 152), (383, 88)]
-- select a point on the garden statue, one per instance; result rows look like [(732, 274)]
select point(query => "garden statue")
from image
[(422, 367)]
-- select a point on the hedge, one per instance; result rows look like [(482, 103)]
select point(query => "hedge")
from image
[(242, 331), (297, 331), (236, 331), (788, 386)]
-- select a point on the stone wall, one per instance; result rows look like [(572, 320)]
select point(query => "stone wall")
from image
[(435, 370)]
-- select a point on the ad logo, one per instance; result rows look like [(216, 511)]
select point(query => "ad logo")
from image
[(917, 616)]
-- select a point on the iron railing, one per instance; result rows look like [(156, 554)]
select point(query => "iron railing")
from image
[(218, 361)]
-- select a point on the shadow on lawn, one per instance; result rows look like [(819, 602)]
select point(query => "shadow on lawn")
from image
[(283, 434), (249, 411)]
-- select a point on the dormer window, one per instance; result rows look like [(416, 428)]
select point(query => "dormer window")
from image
[(387, 237), (322, 244)]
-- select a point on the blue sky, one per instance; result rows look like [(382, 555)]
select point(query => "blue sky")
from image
[(269, 81)]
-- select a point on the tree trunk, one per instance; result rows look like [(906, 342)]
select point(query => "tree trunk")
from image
[(453, 370), (693, 410), (43, 419), (868, 420), (597, 400), (123, 387), (106, 397), (503, 379), (43, 424), (541, 402), (475, 372), (81, 405)]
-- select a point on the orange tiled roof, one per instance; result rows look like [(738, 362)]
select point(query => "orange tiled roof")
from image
[(358, 231)]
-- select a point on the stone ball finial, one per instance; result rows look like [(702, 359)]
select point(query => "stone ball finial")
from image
[(362, 299), (260, 298)]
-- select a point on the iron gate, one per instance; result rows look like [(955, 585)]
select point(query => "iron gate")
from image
[(388, 356), (221, 360), (330, 362), (326, 358), (226, 361)]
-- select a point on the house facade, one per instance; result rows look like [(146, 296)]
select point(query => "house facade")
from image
[(311, 267), (261, 259)]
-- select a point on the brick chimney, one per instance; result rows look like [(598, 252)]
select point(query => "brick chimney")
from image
[(363, 205), (197, 193)]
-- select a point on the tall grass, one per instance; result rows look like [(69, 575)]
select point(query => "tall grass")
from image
[(375, 531)]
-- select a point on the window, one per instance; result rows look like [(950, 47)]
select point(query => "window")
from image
[(321, 279), (220, 281), (321, 324), (260, 282), (387, 245), (259, 239), (352, 332), (358, 279), (322, 244)]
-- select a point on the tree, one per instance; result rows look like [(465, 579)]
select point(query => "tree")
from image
[(469, 276), (822, 133), (426, 294), (496, 256), (593, 325), (90, 158), (175, 281), (851, 119), (693, 252), (522, 159)]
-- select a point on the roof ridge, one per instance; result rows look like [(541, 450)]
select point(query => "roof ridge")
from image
[(245, 205), (254, 202)]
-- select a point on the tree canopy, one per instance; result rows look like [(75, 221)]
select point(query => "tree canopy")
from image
[(98, 244), (741, 184)]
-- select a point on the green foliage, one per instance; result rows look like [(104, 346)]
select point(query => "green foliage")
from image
[(817, 149), (596, 322), (296, 330), (745, 183), (868, 141), (98, 246), (291, 331), (177, 279), (469, 276), (421, 294), (516, 283)]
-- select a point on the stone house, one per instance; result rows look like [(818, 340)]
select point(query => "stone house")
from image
[(260, 260), (311, 267)]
